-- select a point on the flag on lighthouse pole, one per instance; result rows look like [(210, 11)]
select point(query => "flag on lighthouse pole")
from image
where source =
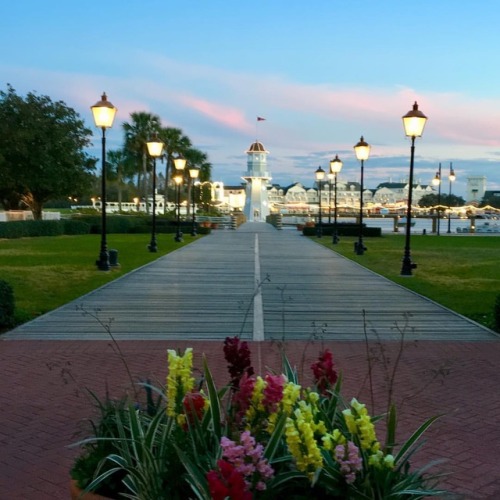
[(260, 119)]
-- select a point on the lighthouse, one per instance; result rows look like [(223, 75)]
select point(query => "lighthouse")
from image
[(257, 177)]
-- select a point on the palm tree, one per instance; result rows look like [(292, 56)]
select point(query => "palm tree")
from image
[(175, 143), (137, 133), (117, 161)]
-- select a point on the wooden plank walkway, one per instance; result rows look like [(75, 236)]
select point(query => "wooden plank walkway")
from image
[(258, 282)]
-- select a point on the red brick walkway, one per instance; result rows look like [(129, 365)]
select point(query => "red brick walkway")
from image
[(43, 402)]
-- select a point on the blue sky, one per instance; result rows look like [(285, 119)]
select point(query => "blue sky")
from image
[(322, 73)]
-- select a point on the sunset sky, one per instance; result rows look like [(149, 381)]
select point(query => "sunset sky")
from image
[(322, 73)]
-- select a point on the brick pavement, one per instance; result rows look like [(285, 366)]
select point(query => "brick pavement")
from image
[(43, 400), (43, 384)]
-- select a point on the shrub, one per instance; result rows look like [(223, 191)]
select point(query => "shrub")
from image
[(7, 305), (75, 227)]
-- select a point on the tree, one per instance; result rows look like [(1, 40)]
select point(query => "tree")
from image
[(137, 133), (491, 198), (175, 143), (446, 200), (42, 151)]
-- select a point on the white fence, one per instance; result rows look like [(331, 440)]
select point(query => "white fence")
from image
[(13, 215)]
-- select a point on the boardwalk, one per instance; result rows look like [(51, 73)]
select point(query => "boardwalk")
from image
[(258, 282), (269, 286)]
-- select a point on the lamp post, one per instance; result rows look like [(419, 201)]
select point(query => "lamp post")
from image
[(155, 149), (414, 123), (104, 115), (451, 178), (320, 175), (193, 175), (335, 168), (362, 150), (437, 182), (179, 163), (330, 179)]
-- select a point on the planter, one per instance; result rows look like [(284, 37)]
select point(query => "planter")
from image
[(77, 493)]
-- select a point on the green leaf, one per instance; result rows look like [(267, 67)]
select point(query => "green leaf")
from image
[(276, 436), (196, 476), (415, 437), (214, 400)]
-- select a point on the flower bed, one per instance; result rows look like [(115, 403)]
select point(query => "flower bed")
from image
[(256, 437)]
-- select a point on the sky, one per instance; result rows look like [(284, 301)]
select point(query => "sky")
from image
[(322, 73)]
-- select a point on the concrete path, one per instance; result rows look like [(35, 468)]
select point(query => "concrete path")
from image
[(280, 291)]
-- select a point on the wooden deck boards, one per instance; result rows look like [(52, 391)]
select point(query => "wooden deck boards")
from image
[(205, 291)]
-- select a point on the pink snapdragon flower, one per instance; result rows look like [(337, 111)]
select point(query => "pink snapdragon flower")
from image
[(248, 459)]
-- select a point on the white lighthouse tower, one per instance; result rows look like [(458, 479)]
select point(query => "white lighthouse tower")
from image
[(257, 177)]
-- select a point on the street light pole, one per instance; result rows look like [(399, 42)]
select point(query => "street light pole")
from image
[(320, 175), (193, 175), (437, 182), (155, 150), (362, 150), (451, 178), (414, 123), (104, 115), (330, 179), (335, 168), (179, 163)]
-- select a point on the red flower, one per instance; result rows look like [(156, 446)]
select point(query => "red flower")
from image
[(325, 375), (243, 396), (273, 392), (227, 482), (193, 404), (237, 354)]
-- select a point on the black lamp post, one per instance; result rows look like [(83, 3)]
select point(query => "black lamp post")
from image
[(155, 149), (451, 177), (104, 115), (437, 182), (362, 150), (335, 168), (320, 175), (414, 123), (179, 164), (330, 179), (193, 175)]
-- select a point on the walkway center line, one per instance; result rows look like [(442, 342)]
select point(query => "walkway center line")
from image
[(258, 311)]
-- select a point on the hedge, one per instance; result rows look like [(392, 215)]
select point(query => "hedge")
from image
[(343, 229)]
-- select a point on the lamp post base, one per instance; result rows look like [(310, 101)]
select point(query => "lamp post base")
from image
[(359, 247), (103, 262), (153, 247), (336, 238), (408, 266), (178, 237)]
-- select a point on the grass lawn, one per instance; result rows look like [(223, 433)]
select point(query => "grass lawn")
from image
[(459, 272), (48, 272)]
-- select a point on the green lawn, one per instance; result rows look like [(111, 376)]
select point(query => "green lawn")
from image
[(48, 272), (459, 272)]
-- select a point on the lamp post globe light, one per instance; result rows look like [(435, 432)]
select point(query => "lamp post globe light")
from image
[(104, 114), (179, 163), (362, 150), (193, 175), (155, 150), (335, 168), (414, 123), (451, 178), (320, 175), (437, 182)]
